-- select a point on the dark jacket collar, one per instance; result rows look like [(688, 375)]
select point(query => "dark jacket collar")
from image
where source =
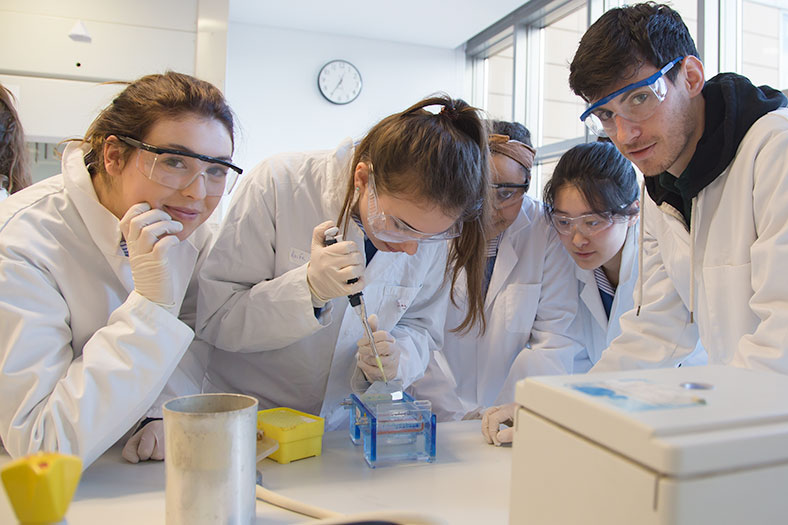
[(733, 104)]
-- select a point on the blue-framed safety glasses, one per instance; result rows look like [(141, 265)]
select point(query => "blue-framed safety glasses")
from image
[(635, 102)]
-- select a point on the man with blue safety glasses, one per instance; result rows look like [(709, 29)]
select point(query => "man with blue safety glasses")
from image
[(715, 217), (635, 102)]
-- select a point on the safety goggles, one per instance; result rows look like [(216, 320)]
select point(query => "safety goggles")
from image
[(179, 169), (389, 228), (588, 224), (507, 194), (635, 102)]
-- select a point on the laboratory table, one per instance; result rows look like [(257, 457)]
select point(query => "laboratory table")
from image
[(468, 483)]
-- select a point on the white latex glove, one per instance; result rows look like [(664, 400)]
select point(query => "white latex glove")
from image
[(388, 349), (149, 236), (331, 267), (147, 443), (492, 420)]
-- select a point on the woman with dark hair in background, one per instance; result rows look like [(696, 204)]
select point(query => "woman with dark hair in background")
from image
[(14, 167), (274, 296), (529, 303), (592, 202)]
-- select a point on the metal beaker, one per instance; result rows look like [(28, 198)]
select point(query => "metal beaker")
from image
[(210, 443)]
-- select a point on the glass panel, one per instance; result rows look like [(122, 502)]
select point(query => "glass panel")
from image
[(543, 173), (561, 108), (784, 50), (499, 71), (44, 159), (761, 43)]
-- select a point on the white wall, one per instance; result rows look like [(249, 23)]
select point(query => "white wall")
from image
[(272, 86)]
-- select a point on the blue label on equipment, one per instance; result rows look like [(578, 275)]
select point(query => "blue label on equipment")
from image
[(636, 395)]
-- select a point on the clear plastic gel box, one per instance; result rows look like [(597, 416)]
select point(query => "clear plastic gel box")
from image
[(392, 428)]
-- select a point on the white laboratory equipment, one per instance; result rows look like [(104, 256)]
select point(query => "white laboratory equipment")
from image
[(689, 445)]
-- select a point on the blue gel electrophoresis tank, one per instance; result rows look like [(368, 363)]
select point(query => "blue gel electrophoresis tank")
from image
[(393, 431)]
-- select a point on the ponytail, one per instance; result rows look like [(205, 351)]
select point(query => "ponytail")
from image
[(442, 158)]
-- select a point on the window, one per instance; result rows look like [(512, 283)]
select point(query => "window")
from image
[(561, 108), (499, 88), (753, 40), (520, 69), (520, 65), (761, 31), (44, 159)]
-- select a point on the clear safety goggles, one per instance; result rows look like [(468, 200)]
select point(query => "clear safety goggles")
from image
[(179, 169), (389, 228), (507, 194), (635, 102), (588, 224)]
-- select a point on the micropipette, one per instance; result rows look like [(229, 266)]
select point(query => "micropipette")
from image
[(358, 304)]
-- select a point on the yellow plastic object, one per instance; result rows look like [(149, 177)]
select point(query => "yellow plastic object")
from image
[(300, 435), (40, 486)]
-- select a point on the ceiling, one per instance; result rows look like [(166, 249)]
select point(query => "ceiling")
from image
[(438, 23)]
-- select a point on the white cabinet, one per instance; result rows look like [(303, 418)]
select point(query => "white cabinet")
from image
[(58, 81), (54, 109), (38, 45)]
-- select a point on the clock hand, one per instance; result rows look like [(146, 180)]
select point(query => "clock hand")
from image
[(338, 84)]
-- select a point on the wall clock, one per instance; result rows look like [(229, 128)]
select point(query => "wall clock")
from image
[(339, 82)]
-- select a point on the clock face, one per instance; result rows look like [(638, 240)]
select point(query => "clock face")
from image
[(339, 81)]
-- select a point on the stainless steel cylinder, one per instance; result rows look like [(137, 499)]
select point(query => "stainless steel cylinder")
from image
[(210, 443)]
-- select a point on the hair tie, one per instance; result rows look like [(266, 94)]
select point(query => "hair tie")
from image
[(450, 111)]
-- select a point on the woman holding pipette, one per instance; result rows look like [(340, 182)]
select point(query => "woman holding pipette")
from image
[(275, 294)]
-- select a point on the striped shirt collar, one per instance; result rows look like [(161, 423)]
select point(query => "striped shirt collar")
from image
[(492, 245), (359, 223), (602, 282)]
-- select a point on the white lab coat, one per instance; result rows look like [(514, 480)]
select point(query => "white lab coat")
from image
[(530, 305), (82, 356), (597, 331), (740, 236), (255, 303)]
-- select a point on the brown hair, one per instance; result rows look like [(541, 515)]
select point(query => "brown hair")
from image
[(145, 101), (13, 153), (621, 41), (441, 158)]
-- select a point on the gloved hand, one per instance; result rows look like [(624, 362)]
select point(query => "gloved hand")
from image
[(388, 349), (331, 267), (147, 443), (149, 236), (492, 420)]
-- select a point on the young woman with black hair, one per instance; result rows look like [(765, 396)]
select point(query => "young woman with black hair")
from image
[(592, 202)]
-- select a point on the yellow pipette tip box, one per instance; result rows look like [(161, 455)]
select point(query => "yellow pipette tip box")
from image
[(40, 486), (300, 435)]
